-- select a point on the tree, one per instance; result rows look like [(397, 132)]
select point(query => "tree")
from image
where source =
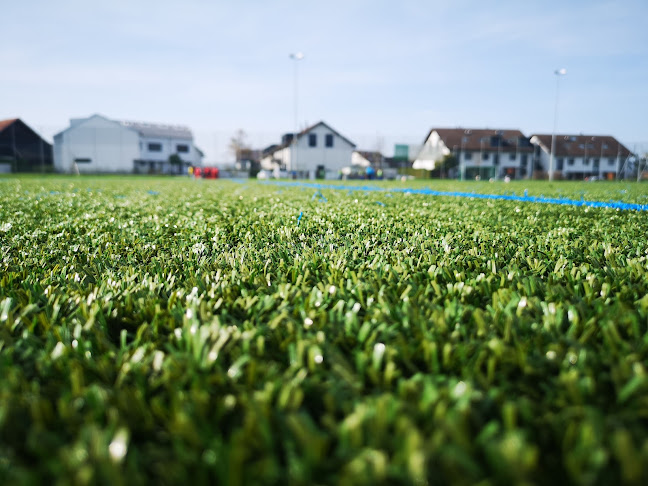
[(176, 161), (448, 163), (238, 144)]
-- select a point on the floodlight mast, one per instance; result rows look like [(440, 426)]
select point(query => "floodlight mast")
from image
[(296, 57), (558, 72)]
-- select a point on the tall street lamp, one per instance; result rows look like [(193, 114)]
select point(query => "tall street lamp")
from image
[(296, 57), (558, 73)]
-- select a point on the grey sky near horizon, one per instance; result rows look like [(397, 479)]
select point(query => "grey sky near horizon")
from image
[(377, 71)]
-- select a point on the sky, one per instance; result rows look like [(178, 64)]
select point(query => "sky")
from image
[(379, 72)]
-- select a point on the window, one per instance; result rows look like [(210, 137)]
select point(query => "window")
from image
[(468, 156), (559, 163), (182, 149), (596, 163), (155, 147), (611, 161), (605, 146), (484, 155), (586, 161), (511, 156), (570, 161), (312, 140), (82, 161), (329, 140), (525, 159)]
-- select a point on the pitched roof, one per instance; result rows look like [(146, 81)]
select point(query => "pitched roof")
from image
[(18, 123), (7, 123), (159, 130), (482, 139), (76, 122), (306, 130), (269, 149), (143, 129), (371, 156), (583, 145)]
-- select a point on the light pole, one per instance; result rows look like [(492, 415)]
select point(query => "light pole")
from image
[(558, 73), (296, 57)]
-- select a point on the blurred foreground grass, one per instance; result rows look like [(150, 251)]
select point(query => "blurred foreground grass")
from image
[(170, 330)]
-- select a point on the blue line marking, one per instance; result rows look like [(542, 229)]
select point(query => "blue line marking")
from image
[(501, 197)]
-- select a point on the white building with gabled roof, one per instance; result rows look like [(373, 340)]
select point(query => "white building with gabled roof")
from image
[(581, 156), (100, 145), (482, 152), (319, 151)]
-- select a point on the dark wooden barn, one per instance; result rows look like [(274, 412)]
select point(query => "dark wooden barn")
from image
[(22, 149)]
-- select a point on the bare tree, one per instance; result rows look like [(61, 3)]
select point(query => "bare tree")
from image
[(238, 144), (380, 143)]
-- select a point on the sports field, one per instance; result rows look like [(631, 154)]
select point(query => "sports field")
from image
[(158, 330)]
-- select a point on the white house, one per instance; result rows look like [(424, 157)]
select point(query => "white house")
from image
[(97, 144), (581, 156), (478, 152), (317, 152)]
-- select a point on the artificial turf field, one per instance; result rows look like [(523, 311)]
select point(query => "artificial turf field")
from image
[(173, 331)]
